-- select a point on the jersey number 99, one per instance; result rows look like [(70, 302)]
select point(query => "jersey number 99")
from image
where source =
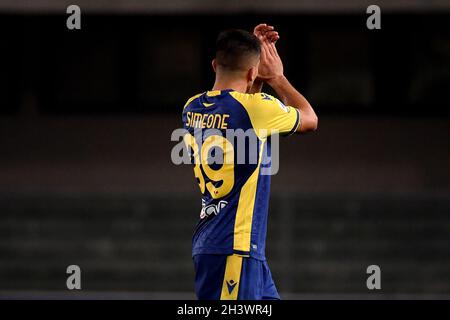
[(218, 181)]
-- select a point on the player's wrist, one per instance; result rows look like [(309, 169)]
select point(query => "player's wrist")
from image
[(276, 81)]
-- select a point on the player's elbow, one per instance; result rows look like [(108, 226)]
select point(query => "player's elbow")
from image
[(310, 124), (314, 123)]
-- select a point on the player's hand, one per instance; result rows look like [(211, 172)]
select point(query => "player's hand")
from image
[(264, 31), (270, 66)]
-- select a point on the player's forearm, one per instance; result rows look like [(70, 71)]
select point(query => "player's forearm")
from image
[(290, 96)]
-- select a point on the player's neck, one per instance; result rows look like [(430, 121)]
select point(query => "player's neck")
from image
[(236, 85)]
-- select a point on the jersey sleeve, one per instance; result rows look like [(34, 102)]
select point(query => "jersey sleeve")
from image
[(269, 115)]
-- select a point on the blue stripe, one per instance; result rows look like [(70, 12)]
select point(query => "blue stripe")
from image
[(296, 123)]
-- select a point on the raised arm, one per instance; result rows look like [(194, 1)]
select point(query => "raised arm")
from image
[(266, 32), (271, 71), (290, 96)]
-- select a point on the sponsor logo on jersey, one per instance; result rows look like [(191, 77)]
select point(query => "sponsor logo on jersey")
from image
[(212, 208)]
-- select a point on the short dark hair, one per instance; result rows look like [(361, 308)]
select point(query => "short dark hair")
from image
[(235, 49)]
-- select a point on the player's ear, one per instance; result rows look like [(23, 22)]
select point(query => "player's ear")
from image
[(252, 74), (249, 75), (214, 65)]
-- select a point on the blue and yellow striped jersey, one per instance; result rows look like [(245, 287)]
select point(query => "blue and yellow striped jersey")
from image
[(229, 139)]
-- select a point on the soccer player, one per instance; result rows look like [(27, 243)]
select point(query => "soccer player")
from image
[(229, 239)]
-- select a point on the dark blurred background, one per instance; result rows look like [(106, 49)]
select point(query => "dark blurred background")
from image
[(86, 176)]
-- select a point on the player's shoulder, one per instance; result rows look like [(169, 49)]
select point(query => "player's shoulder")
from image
[(191, 99), (259, 97), (254, 100)]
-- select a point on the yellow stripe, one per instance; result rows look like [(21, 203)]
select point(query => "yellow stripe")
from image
[(213, 93), (230, 286), (244, 212)]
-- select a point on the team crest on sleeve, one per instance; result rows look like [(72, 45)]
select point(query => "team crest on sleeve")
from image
[(266, 97), (281, 104)]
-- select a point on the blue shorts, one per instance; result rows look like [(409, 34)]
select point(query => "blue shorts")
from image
[(233, 277)]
